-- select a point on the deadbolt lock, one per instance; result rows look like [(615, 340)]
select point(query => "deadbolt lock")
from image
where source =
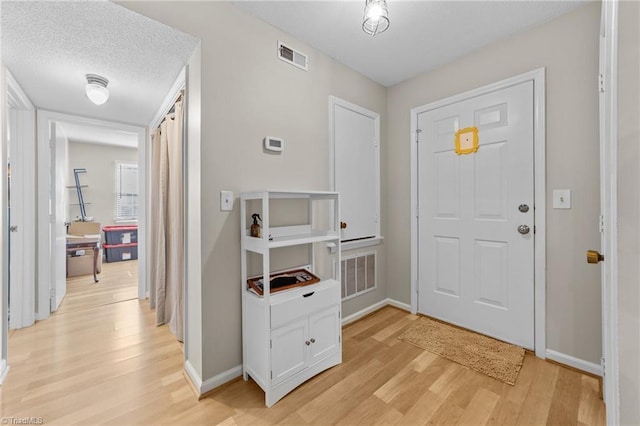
[(594, 257), (523, 208)]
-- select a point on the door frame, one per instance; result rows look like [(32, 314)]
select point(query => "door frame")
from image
[(609, 204), (539, 142), (44, 117)]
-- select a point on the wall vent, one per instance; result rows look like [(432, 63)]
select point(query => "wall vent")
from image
[(292, 56), (358, 274)]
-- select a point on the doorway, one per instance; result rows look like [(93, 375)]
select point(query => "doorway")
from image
[(478, 227), (53, 147)]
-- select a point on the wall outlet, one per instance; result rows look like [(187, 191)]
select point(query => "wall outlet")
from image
[(226, 201)]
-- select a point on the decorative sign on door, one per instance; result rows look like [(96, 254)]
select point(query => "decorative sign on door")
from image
[(466, 140)]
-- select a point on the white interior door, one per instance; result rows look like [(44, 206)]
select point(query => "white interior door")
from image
[(355, 144), (476, 267), (58, 144)]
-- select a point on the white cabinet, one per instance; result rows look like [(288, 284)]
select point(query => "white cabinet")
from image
[(291, 335)]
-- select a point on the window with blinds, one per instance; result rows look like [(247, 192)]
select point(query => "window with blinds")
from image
[(126, 192)]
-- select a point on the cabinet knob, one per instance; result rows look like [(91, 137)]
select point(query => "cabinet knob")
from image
[(343, 225), (313, 340), (307, 343)]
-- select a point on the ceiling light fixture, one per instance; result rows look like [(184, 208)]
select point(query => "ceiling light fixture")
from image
[(376, 17), (96, 89)]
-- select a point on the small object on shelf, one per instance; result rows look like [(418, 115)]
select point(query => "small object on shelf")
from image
[(283, 281), (255, 228)]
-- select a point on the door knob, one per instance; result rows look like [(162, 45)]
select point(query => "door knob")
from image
[(523, 229), (307, 343), (313, 340), (594, 257), (343, 225)]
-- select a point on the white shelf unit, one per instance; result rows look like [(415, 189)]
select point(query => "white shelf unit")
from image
[(291, 335)]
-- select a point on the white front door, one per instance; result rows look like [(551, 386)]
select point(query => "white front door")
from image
[(476, 266)]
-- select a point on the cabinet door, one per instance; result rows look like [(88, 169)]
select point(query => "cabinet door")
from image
[(288, 350), (324, 334)]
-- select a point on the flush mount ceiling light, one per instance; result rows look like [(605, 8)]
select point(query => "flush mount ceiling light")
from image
[(376, 17), (96, 89)]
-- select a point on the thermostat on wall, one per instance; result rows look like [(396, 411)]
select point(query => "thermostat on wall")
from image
[(273, 144)]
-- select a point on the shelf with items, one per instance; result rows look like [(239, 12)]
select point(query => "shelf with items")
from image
[(292, 332)]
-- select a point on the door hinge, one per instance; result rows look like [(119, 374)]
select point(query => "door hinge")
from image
[(418, 131), (272, 374), (601, 82), (601, 223), (52, 218), (603, 365), (271, 344), (417, 210)]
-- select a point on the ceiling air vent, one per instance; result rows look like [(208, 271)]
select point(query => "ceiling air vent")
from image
[(292, 56)]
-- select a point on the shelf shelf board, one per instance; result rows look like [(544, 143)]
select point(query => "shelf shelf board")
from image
[(257, 244)]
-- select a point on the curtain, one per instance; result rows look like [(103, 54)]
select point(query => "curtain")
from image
[(167, 223)]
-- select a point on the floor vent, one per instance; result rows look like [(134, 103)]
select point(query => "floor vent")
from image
[(295, 58), (358, 274)]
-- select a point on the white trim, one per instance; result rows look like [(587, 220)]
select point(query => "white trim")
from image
[(193, 376), (356, 244), (170, 99), (372, 308), (16, 98), (399, 305), (4, 371), (539, 142), (366, 311), (203, 387), (574, 362), (608, 192), (44, 117), (333, 101), (221, 379)]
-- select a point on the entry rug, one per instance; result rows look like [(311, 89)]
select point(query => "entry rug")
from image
[(484, 354)]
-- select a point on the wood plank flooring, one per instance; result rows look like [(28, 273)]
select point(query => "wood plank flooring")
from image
[(111, 365), (118, 282)]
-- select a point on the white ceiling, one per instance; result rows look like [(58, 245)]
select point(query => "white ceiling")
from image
[(422, 34), (49, 46)]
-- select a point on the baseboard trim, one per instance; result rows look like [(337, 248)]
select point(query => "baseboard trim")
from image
[(220, 379), (203, 387), (3, 374), (193, 378), (399, 305), (376, 306), (577, 363)]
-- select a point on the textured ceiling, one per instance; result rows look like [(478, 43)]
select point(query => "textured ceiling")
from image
[(49, 46), (422, 34)]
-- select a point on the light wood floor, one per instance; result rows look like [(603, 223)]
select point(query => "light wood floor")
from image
[(118, 281), (111, 364)]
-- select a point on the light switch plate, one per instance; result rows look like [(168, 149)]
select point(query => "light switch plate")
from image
[(226, 201), (561, 198)]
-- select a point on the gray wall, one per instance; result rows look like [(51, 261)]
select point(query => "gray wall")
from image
[(568, 48), (99, 160), (629, 212), (247, 93)]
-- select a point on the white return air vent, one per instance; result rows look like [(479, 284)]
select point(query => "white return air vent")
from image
[(295, 58), (358, 274)]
